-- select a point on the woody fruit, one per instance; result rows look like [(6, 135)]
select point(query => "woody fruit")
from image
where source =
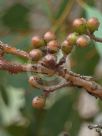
[(49, 36), (66, 47), (37, 42), (38, 102), (71, 38), (52, 46), (93, 24), (79, 25), (35, 54), (83, 41)]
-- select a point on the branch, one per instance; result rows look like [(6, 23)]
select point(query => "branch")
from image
[(38, 83), (90, 86), (75, 79), (18, 68), (11, 50), (93, 37)]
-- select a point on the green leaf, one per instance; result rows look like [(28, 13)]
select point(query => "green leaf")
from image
[(85, 60), (15, 130), (16, 17), (90, 12), (4, 94), (57, 116)]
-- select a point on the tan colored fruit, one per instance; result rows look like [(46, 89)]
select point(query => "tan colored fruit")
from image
[(79, 25), (93, 24), (37, 42), (38, 102), (66, 47), (71, 38), (35, 54), (52, 46), (49, 36), (83, 41), (32, 82)]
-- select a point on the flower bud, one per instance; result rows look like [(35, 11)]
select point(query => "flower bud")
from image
[(32, 81), (49, 61), (35, 54), (66, 47), (83, 41), (38, 102), (49, 36), (52, 46), (37, 42), (71, 38), (79, 25), (93, 24)]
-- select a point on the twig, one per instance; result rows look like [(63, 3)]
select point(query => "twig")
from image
[(93, 37), (18, 68), (46, 88), (75, 79), (11, 50), (90, 86)]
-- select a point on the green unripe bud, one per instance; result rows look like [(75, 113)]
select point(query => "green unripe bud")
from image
[(66, 48), (71, 38), (93, 24), (52, 46), (37, 42), (38, 102), (83, 41), (35, 54), (49, 36), (79, 25)]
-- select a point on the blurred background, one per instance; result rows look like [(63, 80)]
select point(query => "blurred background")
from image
[(68, 110)]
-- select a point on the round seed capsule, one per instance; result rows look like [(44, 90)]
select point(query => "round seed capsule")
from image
[(37, 42), (83, 41), (49, 36), (35, 54), (52, 46), (71, 38), (38, 102), (93, 24), (79, 25), (32, 82), (66, 47)]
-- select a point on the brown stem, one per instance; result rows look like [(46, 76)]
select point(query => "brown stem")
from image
[(89, 85), (93, 37), (11, 50), (74, 79), (46, 88), (18, 68)]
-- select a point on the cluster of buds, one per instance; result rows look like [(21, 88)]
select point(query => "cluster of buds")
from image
[(44, 60), (80, 37), (45, 50)]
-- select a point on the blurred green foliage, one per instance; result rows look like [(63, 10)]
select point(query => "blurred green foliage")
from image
[(16, 17), (19, 20)]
